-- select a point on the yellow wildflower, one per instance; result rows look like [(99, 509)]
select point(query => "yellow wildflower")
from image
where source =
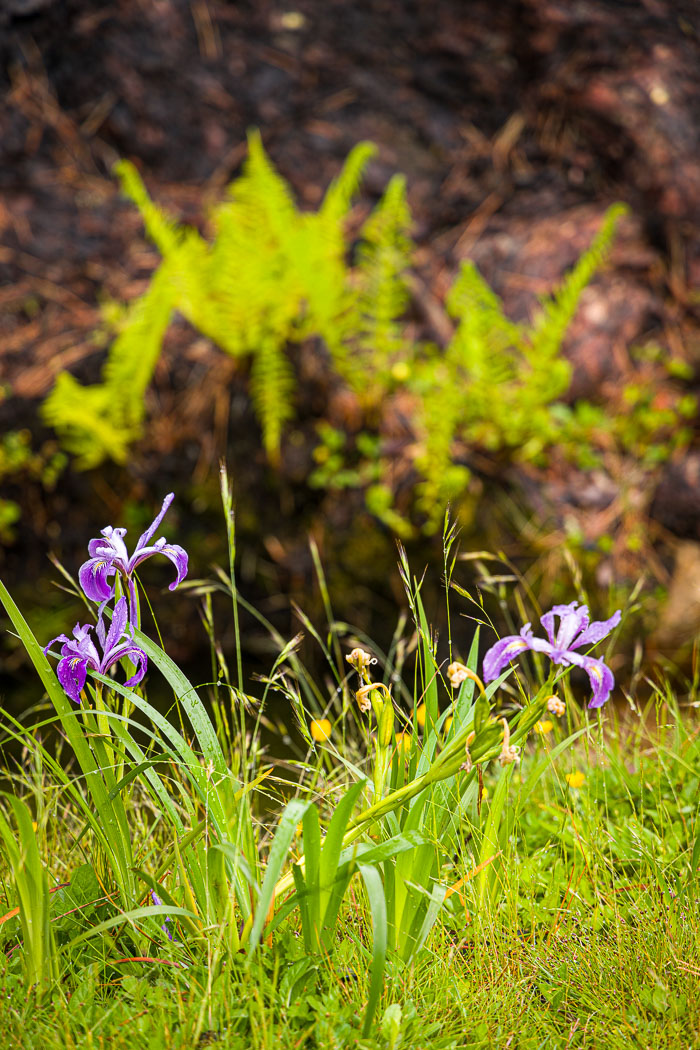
[(448, 723), (544, 727), (400, 371), (321, 730), (420, 715), (576, 779)]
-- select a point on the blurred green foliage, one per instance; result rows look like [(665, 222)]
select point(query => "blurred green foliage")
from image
[(19, 460), (274, 276)]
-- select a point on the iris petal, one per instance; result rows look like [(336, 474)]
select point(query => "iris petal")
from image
[(93, 579), (600, 676), (117, 627), (501, 654), (145, 537), (72, 672), (58, 638), (597, 631), (176, 554), (133, 653)]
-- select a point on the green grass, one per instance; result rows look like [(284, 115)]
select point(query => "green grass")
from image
[(356, 896), (592, 938)]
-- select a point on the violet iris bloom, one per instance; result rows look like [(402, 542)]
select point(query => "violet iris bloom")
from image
[(80, 652), (109, 556), (575, 630)]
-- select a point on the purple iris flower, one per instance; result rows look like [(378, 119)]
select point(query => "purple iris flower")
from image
[(109, 556), (575, 630), (80, 652)]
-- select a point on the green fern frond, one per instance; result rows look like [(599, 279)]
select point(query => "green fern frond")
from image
[(134, 354), (439, 416), (163, 230), (339, 195), (88, 421), (271, 390), (557, 312), (384, 257), (479, 311), (260, 196)]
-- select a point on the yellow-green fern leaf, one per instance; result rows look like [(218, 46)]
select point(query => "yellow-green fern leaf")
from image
[(134, 354), (340, 193), (271, 390), (557, 312), (89, 422), (160, 227)]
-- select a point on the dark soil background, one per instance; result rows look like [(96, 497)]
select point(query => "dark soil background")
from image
[(516, 123)]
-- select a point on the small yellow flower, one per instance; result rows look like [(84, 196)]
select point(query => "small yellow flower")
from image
[(403, 742), (321, 730), (420, 715), (484, 794), (555, 706), (576, 779), (544, 727), (400, 371), (448, 723), (35, 826)]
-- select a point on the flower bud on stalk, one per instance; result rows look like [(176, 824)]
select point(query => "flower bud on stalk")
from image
[(385, 731), (458, 673), (373, 695), (360, 660), (555, 706)]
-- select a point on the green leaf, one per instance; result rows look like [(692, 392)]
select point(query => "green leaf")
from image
[(377, 906), (293, 813)]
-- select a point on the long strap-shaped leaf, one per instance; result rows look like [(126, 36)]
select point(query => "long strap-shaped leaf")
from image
[(189, 700), (113, 825), (293, 812), (33, 892), (377, 907)]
